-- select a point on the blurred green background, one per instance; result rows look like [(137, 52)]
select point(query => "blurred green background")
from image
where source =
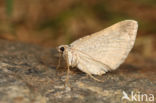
[(50, 23)]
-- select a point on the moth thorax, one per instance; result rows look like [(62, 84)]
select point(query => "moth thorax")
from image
[(71, 59)]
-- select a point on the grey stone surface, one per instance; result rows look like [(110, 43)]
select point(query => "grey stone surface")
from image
[(28, 75)]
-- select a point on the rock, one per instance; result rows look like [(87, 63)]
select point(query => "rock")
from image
[(28, 75)]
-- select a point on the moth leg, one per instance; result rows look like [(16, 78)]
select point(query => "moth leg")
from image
[(68, 71), (84, 77), (89, 74), (59, 61), (95, 78), (67, 76), (58, 64)]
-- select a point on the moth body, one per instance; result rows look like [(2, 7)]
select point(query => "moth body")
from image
[(102, 51)]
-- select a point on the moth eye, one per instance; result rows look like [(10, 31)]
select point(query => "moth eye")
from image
[(62, 49)]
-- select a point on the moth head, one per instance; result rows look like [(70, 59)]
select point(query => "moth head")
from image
[(62, 48)]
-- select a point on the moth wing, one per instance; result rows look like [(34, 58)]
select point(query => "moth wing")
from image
[(110, 46), (89, 65)]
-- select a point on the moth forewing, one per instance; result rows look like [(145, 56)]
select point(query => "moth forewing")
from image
[(111, 45), (89, 65)]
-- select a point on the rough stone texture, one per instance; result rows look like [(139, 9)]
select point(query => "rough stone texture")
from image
[(28, 75)]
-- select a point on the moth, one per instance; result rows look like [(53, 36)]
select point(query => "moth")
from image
[(102, 51)]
